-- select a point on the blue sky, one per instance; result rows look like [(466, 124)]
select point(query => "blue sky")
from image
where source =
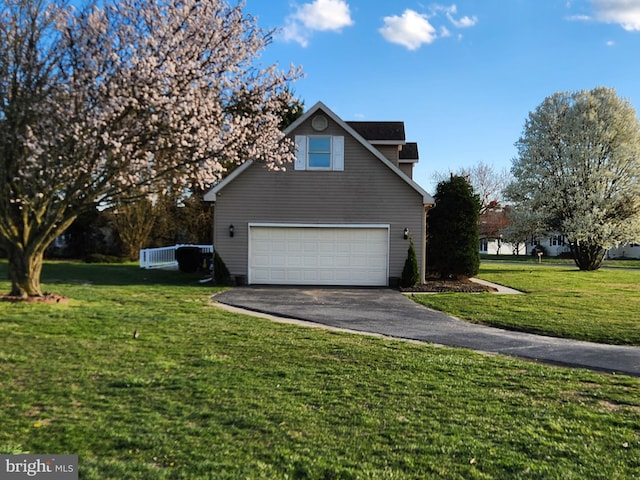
[(463, 76)]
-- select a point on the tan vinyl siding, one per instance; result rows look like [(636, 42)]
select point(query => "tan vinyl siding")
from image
[(389, 151), (407, 168), (366, 192)]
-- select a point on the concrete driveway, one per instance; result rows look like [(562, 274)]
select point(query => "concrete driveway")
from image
[(387, 312)]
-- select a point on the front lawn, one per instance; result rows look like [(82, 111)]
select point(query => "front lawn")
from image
[(207, 394), (601, 306)]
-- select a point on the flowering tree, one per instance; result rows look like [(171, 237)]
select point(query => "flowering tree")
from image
[(578, 172), (177, 215), (111, 98)]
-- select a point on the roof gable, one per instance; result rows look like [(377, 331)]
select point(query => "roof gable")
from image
[(388, 128)]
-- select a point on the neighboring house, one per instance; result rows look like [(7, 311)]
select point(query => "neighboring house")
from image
[(556, 244), (552, 245), (340, 215), (497, 246), (491, 223), (629, 250)]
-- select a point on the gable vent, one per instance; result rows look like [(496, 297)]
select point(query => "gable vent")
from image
[(319, 123)]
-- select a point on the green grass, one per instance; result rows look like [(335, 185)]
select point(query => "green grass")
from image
[(601, 306), (207, 394)]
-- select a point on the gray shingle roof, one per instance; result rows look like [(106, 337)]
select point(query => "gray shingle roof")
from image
[(380, 131), (409, 151)]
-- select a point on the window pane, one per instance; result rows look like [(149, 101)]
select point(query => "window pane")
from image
[(319, 144), (319, 160)]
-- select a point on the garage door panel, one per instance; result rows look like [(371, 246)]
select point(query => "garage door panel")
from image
[(318, 255), (295, 261), (277, 247), (293, 276), (326, 277), (260, 262), (326, 247), (295, 247), (325, 261), (310, 277), (360, 262), (310, 262), (343, 247)]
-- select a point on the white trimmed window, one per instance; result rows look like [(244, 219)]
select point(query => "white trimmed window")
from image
[(319, 152)]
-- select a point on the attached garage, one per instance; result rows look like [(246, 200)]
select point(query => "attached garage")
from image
[(341, 214), (288, 254)]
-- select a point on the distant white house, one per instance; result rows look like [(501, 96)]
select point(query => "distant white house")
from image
[(494, 221), (556, 245), (496, 246), (552, 245), (491, 222)]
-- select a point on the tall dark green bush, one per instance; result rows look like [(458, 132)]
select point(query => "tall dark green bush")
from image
[(221, 275), (411, 271), (452, 225)]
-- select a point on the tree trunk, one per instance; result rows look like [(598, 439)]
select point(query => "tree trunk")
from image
[(24, 272), (587, 257)]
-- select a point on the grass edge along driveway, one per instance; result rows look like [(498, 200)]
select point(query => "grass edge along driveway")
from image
[(561, 301)]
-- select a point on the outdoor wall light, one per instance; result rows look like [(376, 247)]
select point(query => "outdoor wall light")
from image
[(231, 229), (405, 235)]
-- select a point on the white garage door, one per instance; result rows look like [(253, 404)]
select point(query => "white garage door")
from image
[(318, 255)]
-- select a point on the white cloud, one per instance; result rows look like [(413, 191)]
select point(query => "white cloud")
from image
[(411, 29), (319, 15), (623, 12), (464, 22), (579, 18), (293, 32), (610, 43)]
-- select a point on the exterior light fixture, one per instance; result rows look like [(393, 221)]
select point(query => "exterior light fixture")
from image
[(231, 230), (405, 235)]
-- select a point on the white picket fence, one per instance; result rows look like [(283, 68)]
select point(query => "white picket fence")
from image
[(165, 257)]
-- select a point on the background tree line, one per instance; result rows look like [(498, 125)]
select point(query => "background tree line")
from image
[(119, 233)]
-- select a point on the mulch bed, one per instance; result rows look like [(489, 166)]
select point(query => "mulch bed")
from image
[(45, 298), (454, 286)]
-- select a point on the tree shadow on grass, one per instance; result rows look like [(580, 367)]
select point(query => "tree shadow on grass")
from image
[(79, 273), (518, 269)]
